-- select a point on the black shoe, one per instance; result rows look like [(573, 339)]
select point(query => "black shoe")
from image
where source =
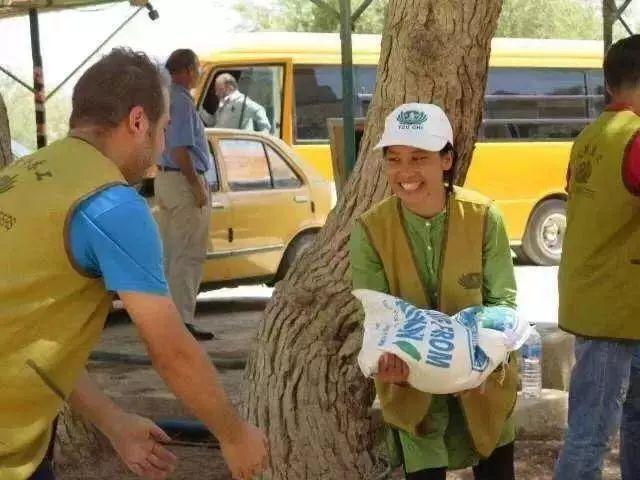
[(199, 334)]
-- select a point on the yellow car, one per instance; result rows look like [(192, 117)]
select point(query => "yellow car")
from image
[(267, 207)]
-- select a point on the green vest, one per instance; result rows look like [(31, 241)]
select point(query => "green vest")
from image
[(460, 285), (600, 267), (52, 313)]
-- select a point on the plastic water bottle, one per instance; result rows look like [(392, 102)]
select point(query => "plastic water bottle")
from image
[(531, 368)]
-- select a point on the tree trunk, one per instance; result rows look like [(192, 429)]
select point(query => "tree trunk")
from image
[(5, 136), (304, 386), (77, 442)]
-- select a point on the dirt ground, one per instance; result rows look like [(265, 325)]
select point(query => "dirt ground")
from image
[(234, 320)]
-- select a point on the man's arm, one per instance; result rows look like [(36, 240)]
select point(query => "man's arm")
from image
[(180, 138), (183, 160), (113, 235), (137, 440), (260, 118), (185, 367), (631, 166)]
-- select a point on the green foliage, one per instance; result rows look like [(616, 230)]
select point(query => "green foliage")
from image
[(570, 19), (305, 16), (20, 108)]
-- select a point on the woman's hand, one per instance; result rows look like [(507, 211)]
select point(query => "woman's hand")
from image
[(391, 369)]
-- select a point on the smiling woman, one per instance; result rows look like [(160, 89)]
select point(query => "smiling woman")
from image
[(418, 150), (443, 248)]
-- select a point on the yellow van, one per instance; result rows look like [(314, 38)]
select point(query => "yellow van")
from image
[(267, 207), (540, 94)]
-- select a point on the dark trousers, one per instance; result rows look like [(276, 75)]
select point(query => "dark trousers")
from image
[(499, 466)]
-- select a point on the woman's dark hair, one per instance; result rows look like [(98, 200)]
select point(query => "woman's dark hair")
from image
[(449, 175)]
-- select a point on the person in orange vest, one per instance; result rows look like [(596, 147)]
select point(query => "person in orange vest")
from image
[(599, 272), (73, 231), (445, 248)]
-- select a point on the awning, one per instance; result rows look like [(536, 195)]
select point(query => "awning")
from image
[(13, 8)]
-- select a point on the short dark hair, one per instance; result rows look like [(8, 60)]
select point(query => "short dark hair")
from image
[(181, 60), (622, 63), (105, 94)]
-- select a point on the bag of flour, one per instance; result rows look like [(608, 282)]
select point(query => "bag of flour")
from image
[(444, 354)]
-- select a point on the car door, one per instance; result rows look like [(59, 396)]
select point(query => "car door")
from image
[(269, 202), (219, 248)]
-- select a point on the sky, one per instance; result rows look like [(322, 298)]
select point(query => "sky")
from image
[(67, 37)]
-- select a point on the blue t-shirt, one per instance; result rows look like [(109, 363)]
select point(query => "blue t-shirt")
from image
[(114, 236), (185, 130)]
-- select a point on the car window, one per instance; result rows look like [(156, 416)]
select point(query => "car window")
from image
[(281, 173), (246, 164)]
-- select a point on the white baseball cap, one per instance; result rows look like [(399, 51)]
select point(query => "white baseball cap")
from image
[(420, 125)]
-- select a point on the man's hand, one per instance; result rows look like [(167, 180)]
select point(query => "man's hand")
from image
[(391, 369), (186, 368), (199, 192), (246, 456), (138, 442), (198, 185)]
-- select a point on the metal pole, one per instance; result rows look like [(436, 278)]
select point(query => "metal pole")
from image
[(608, 17), (95, 50), (16, 79), (347, 87), (38, 79), (360, 10)]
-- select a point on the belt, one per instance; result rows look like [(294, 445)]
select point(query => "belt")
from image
[(174, 169)]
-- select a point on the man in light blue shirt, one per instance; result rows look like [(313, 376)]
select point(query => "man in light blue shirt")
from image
[(182, 190)]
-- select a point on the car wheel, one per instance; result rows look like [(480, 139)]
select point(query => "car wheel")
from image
[(294, 251), (542, 242)]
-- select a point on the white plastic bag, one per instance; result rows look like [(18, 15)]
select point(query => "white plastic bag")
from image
[(444, 354)]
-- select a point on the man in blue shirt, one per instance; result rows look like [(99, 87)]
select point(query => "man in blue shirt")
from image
[(119, 116), (182, 191)]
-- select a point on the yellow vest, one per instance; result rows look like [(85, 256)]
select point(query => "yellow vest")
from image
[(485, 410), (600, 267), (51, 313)]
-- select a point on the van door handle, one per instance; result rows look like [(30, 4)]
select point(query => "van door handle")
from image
[(218, 206), (301, 199)]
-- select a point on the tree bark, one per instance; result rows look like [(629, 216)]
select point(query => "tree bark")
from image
[(77, 442), (5, 136), (304, 386)]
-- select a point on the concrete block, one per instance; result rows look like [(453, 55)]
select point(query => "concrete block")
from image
[(542, 418), (557, 357)]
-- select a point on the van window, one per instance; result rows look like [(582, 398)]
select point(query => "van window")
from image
[(535, 103), (264, 84), (318, 97), (595, 87)]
